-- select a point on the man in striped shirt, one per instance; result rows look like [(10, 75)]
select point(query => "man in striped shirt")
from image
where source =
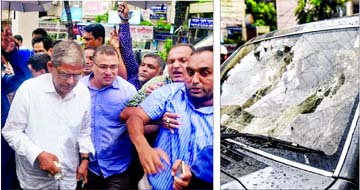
[(193, 101)]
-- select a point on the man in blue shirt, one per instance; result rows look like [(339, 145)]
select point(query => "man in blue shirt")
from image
[(10, 83), (193, 101), (108, 168)]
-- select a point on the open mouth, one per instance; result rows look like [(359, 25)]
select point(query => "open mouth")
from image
[(196, 90), (177, 74)]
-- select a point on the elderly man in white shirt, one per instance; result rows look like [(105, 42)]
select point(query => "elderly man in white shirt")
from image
[(49, 124)]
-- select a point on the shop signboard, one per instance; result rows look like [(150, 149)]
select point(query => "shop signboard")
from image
[(137, 32), (161, 36), (158, 11), (201, 23), (142, 32)]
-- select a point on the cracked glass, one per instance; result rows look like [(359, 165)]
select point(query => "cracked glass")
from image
[(300, 88)]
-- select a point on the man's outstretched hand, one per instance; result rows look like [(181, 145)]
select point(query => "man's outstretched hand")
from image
[(150, 159)]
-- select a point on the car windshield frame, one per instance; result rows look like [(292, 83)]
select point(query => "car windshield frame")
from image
[(269, 41)]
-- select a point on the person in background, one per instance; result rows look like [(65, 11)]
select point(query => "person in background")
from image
[(25, 52), (94, 36), (39, 32), (48, 124), (121, 40), (177, 60), (151, 66), (109, 167), (193, 102), (42, 44), (19, 40), (38, 64), (9, 84), (223, 54), (89, 56)]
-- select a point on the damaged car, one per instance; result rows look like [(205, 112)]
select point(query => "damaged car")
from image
[(290, 109)]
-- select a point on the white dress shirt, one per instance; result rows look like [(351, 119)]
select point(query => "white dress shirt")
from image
[(40, 120)]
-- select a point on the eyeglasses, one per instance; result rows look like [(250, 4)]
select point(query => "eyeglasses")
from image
[(67, 75), (106, 67)]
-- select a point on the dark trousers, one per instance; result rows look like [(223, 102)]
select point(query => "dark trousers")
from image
[(117, 181), (8, 167)]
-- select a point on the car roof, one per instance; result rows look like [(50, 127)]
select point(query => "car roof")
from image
[(329, 24)]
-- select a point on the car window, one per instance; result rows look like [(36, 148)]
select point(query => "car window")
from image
[(301, 88)]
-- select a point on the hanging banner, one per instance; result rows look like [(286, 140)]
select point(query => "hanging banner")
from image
[(142, 32)]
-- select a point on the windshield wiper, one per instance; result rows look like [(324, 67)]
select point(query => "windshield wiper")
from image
[(271, 142)]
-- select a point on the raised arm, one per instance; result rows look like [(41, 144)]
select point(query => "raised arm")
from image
[(17, 60), (114, 41), (125, 42)]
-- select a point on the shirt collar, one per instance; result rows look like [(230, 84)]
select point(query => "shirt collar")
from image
[(203, 110), (115, 84), (49, 86)]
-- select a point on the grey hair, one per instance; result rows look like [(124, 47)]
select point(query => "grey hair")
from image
[(68, 52)]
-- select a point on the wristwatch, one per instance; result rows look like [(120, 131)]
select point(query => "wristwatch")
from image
[(85, 158)]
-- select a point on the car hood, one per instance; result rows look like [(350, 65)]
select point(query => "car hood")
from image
[(257, 172)]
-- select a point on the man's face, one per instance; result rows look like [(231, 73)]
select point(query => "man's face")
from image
[(177, 61), (105, 70), (65, 77), (199, 77), (89, 61), (90, 40), (39, 47), (148, 69)]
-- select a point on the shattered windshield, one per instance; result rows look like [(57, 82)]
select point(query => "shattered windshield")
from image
[(301, 88)]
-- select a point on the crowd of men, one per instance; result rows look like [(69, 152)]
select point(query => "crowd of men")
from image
[(94, 118)]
